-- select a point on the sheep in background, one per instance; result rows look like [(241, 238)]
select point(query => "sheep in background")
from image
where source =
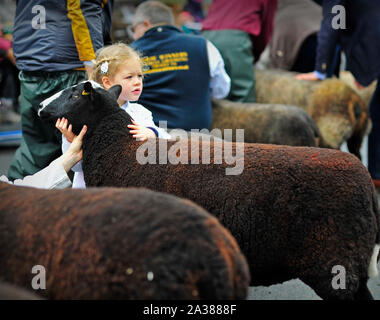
[(365, 93), (267, 123), (338, 111), (111, 243), (296, 212)]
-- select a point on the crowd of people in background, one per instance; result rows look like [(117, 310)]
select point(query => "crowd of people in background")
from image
[(204, 50)]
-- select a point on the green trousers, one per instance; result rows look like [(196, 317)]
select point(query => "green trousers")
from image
[(41, 141), (236, 49)]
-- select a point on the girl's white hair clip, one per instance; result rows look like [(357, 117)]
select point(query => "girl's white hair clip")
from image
[(104, 67)]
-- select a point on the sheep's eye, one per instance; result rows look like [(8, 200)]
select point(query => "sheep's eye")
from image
[(76, 96)]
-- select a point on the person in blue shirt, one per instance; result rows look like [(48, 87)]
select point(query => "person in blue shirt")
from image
[(356, 29), (182, 71)]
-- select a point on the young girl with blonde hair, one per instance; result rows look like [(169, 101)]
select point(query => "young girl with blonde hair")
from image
[(118, 64)]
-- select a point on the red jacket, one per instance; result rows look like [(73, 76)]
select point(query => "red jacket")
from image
[(252, 16), (5, 45)]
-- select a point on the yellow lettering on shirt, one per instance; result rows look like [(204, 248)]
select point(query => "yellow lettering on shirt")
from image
[(166, 62)]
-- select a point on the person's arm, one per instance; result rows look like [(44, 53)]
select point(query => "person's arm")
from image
[(65, 146), (149, 123), (259, 42), (327, 37), (220, 82), (327, 43), (67, 138), (149, 130), (86, 23), (162, 133), (108, 6), (142, 133), (55, 176), (145, 125)]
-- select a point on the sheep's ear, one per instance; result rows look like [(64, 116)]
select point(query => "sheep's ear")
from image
[(87, 88), (115, 91)]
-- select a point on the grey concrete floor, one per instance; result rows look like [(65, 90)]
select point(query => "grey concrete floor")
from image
[(290, 290)]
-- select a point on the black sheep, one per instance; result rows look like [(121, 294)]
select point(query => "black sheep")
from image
[(110, 243), (296, 212)]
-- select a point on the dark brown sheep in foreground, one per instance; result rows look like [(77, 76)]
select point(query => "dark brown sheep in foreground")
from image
[(112, 243), (296, 212)]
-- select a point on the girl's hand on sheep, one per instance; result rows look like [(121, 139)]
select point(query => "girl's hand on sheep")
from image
[(61, 125), (141, 133), (74, 153)]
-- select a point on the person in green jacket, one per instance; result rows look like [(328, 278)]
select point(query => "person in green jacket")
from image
[(54, 43)]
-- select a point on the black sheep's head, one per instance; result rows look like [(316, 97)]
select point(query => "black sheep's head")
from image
[(83, 104)]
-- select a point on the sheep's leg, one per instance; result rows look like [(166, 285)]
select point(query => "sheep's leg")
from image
[(363, 292)]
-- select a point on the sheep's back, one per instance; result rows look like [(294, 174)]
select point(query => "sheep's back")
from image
[(117, 244), (266, 123), (285, 200)]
